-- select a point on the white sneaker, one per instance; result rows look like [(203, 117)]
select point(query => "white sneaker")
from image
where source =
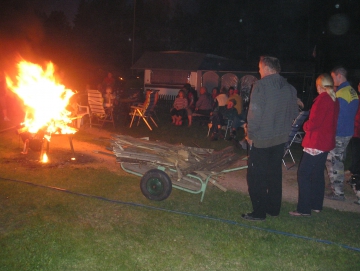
[(6, 119)]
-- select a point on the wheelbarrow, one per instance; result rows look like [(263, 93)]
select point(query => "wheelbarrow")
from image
[(162, 166)]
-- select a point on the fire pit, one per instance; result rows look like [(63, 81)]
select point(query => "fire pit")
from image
[(45, 102)]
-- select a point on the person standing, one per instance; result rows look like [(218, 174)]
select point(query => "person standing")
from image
[(319, 139), (109, 82), (349, 101), (272, 110), (355, 143)]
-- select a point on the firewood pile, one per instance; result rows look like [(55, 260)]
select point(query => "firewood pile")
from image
[(182, 158)]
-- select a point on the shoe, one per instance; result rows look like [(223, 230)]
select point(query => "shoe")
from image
[(296, 213), (272, 215), (316, 211), (249, 216), (243, 144), (6, 119), (333, 196)]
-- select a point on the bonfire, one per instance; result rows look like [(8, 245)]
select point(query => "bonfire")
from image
[(45, 101)]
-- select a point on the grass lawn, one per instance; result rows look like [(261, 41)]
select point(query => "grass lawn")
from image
[(82, 218)]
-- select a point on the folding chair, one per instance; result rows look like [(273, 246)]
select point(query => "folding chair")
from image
[(295, 136), (146, 110), (81, 111), (228, 127), (98, 111)]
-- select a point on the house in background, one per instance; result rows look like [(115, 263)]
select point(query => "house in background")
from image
[(168, 71)]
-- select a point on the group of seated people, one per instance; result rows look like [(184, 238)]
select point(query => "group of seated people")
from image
[(221, 106)]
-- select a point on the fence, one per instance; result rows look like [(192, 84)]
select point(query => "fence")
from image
[(165, 102)]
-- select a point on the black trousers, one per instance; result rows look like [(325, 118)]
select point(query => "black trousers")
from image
[(355, 157), (264, 178)]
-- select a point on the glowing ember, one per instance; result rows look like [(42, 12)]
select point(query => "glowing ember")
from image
[(44, 98), (45, 158)]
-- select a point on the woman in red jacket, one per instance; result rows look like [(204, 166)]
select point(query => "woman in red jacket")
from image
[(319, 139)]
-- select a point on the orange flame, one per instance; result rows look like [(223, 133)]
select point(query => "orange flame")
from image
[(44, 98), (45, 158)]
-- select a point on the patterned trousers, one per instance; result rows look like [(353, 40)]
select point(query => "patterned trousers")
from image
[(335, 165)]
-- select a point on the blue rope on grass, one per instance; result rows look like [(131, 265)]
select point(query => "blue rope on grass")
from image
[(188, 214)]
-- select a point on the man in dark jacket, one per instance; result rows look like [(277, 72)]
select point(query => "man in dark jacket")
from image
[(272, 109)]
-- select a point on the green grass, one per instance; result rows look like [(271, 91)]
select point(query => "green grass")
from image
[(44, 228)]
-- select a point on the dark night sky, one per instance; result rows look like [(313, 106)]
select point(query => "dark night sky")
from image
[(291, 26), (69, 7)]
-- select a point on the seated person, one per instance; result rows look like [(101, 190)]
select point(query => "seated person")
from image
[(214, 93), (222, 99), (191, 96), (230, 91), (230, 113), (238, 100), (203, 105), (109, 97), (179, 108)]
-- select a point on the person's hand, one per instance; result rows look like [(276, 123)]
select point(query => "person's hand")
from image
[(249, 141)]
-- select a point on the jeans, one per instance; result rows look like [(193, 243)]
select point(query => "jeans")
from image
[(311, 182), (355, 157)]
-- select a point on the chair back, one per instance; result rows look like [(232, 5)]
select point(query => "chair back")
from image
[(295, 135), (95, 101), (297, 125), (151, 99)]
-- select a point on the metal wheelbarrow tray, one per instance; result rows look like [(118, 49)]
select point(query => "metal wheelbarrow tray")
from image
[(163, 166)]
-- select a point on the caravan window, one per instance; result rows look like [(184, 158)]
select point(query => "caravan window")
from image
[(169, 77)]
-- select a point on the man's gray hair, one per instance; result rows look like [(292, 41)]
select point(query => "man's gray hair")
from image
[(272, 62), (340, 70)]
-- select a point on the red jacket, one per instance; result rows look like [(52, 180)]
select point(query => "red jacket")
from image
[(321, 127), (357, 122)]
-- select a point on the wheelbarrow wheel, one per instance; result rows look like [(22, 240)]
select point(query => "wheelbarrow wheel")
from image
[(156, 185)]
